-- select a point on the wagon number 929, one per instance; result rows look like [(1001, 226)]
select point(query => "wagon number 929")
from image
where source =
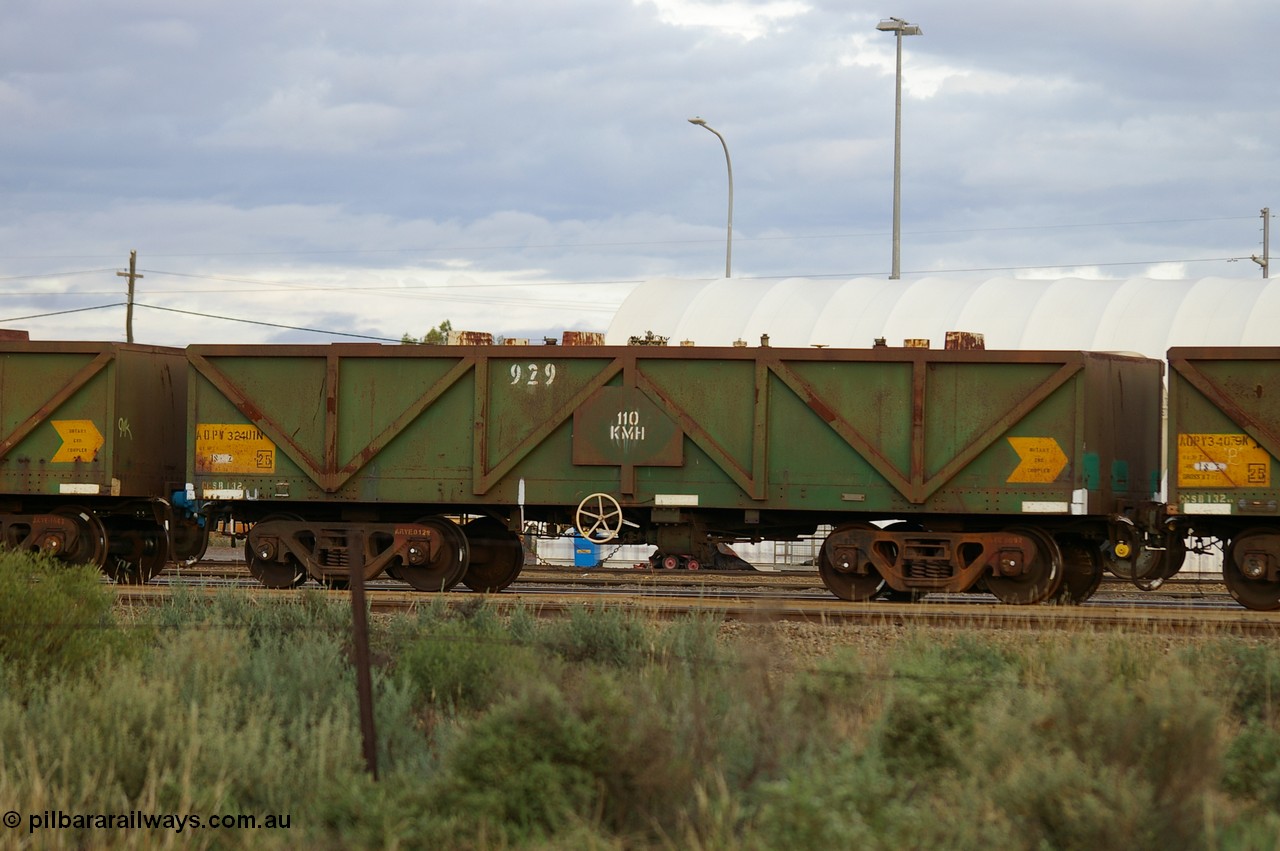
[(532, 374)]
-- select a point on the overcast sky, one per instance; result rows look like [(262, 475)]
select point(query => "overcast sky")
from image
[(375, 168)]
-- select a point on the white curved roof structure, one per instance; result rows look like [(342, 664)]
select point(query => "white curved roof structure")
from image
[(1143, 315)]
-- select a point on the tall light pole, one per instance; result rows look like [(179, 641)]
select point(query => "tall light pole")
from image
[(1265, 260), (728, 251), (901, 28)]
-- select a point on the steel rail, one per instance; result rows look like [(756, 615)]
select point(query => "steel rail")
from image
[(1133, 616)]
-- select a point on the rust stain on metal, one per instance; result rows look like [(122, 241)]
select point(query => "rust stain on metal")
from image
[(822, 409), (965, 341), (470, 338), (583, 338)]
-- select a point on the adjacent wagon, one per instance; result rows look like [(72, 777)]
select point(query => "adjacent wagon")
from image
[(92, 439), (1224, 439)]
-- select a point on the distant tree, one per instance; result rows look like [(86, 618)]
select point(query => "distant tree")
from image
[(437, 336)]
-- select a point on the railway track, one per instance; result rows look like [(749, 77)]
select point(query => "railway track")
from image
[(233, 568), (1192, 607)]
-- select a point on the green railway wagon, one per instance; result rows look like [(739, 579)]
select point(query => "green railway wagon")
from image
[(1224, 439), (92, 439), (1021, 470)]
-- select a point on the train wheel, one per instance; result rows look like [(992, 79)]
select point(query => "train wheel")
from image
[(264, 566), (840, 578), (190, 540), (1258, 594), (135, 553), (669, 562), (92, 546), (692, 564), (497, 556), (1042, 577), (1081, 569), (450, 563), (1128, 558)]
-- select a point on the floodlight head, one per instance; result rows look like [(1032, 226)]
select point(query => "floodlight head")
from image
[(897, 25), (698, 121)]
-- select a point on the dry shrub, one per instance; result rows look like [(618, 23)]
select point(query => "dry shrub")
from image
[(1249, 675), (55, 619), (463, 665), (1113, 745)]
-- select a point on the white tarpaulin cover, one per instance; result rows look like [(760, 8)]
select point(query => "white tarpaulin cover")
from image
[(1142, 315)]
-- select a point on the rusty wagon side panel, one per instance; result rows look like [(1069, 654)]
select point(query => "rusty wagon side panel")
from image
[(745, 432), (881, 430)]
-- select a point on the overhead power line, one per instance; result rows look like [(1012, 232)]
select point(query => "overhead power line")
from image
[(207, 316), (55, 274), (204, 316), (61, 312), (467, 247), (267, 324)]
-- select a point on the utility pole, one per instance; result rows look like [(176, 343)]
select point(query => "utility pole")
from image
[(1265, 260), (132, 275)]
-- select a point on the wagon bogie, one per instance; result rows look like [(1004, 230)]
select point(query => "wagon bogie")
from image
[(1023, 563), (283, 549)]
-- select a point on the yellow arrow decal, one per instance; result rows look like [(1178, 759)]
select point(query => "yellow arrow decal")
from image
[(1040, 460), (81, 441)]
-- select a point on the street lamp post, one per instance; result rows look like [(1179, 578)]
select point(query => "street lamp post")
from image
[(728, 251), (900, 28)]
